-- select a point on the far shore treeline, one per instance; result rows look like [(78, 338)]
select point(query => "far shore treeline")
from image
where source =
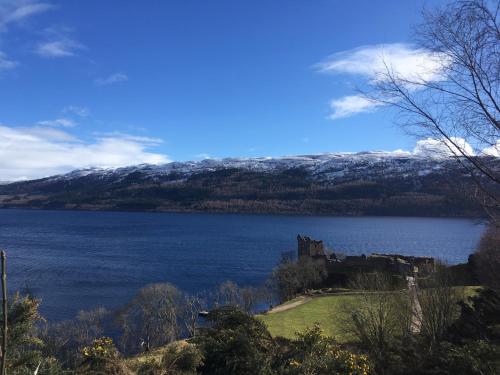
[(372, 184)]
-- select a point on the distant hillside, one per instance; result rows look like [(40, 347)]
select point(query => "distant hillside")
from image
[(373, 183)]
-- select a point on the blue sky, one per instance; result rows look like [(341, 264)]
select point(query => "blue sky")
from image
[(112, 83)]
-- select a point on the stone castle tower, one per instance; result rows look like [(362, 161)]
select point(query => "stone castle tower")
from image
[(308, 247)]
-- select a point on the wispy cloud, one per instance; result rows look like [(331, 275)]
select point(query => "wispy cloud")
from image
[(76, 110), (63, 122), (6, 63), (372, 62), (59, 48), (37, 152), (113, 78), (59, 42), (16, 11), (150, 141), (351, 104)]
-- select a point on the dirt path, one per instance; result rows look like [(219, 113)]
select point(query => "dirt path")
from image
[(416, 319), (299, 301)]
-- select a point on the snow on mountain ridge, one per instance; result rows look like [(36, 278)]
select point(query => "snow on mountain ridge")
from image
[(322, 166)]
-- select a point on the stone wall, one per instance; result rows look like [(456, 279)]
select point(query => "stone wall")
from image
[(395, 263), (308, 247)]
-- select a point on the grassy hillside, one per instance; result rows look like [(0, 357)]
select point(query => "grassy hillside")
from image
[(329, 311)]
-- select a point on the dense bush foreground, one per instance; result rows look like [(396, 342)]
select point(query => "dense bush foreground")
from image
[(454, 336)]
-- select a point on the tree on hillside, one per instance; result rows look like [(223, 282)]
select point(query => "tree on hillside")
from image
[(456, 102), (379, 318), (439, 300), (152, 318), (486, 260), (230, 294), (227, 293), (291, 278), (194, 303), (63, 340)]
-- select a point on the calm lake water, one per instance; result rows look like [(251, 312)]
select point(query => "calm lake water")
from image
[(78, 260)]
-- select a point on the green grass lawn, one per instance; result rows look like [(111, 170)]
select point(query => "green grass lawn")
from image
[(329, 311)]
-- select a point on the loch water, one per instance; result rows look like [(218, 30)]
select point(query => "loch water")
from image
[(76, 260)]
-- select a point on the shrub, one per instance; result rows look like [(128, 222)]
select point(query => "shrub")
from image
[(182, 359), (235, 343), (24, 346), (314, 353), (473, 358), (102, 357)]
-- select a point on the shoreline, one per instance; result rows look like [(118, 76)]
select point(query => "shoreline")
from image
[(481, 219)]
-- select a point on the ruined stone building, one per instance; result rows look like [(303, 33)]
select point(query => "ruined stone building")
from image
[(308, 247), (395, 263)]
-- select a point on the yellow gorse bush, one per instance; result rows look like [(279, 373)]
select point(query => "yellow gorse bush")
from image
[(322, 355), (102, 347)]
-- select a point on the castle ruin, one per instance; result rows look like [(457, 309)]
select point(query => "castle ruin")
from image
[(315, 250), (308, 247)]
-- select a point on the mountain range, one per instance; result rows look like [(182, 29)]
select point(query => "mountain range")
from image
[(365, 183)]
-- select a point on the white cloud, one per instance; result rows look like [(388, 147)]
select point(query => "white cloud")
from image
[(493, 150), (113, 78), (59, 48), (64, 122), (6, 63), (38, 152), (59, 43), (203, 156), (52, 134), (372, 63), (150, 141), (15, 11), (78, 111), (349, 105), (432, 147)]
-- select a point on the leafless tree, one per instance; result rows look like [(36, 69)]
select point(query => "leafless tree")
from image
[(90, 324), (194, 303), (486, 260), (227, 293), (249, 298), (458, 102), (378, 316), (439, 300), (152, 318), (63, 340), (246, 298), (291, 278)]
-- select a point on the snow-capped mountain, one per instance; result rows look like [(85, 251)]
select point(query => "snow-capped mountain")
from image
[(358, 183), (323, 167)]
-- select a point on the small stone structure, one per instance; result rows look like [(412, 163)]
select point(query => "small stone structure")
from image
[(310, 248), (396, 263)]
